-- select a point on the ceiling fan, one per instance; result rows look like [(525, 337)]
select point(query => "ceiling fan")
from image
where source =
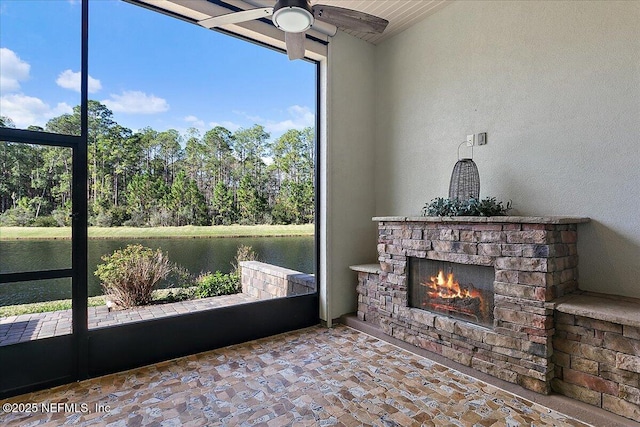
[(294, 17)]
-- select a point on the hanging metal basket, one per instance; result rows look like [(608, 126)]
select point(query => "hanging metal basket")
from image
[(465, 179)]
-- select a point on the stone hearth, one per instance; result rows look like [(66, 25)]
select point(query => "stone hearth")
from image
[(535, 261)]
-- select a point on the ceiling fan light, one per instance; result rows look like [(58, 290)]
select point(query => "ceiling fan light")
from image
[(293, 19)]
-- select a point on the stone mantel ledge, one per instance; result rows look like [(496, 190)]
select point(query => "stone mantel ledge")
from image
[(487, 219)]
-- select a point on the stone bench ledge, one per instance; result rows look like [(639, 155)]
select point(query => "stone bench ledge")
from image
[(366, 268), (609, 308), (271, 269)]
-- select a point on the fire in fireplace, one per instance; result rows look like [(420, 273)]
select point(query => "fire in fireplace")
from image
[(458, 290)]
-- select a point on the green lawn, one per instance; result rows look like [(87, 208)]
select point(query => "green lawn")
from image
[(12, 233), (42, 307), (159, 296)]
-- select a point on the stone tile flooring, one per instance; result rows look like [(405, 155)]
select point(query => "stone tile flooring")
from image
[(312, 377), (26, 327)]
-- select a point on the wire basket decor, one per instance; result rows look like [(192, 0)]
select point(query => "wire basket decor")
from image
[(465, 179)]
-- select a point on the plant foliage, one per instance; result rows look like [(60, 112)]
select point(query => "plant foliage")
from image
[(244, 253), (488, 206), (129, 275), (216, 284)]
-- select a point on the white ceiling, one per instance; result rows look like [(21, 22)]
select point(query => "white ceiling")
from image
[(401, 14)]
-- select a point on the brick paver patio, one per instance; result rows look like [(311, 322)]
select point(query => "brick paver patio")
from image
[(26, 327)]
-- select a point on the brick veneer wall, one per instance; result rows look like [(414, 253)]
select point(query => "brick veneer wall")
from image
[(265, 281), (534, 263), (598, 362)]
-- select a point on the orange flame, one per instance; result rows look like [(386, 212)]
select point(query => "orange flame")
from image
[(448, 288)]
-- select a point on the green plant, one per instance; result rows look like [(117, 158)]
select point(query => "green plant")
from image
[(44, 221), (163, 296), (180, 277), (18, 216), (129, 275), (244, 253), (216, 284), (62, 216), (46, 306), (488, 206)]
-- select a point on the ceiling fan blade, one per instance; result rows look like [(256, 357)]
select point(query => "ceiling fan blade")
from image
[(236, 17), (295, 45), (349, 19)]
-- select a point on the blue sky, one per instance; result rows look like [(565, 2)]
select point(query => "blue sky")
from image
[(149, 69)]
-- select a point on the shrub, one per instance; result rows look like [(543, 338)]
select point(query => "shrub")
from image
[(103, 219), (488, 206), (216, 284), (160, 217), (246, 221), (180, 277), (62, 216), (137, 220), (44, 221), (283, 214), (119, 215), (129, 275), (18, 216), (244, 253)]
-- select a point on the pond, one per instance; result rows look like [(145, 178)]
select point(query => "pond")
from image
[(196, 255)]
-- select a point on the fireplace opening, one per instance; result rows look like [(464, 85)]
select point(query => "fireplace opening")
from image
[(462, 291)]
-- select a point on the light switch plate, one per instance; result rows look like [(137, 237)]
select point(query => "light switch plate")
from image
[(482, 138)]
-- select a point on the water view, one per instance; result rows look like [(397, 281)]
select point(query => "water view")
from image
[(196, 255)]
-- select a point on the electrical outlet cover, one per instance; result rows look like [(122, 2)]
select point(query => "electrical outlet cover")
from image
[(470, 140)]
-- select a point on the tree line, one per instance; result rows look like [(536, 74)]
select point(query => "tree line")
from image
[(160, 178)]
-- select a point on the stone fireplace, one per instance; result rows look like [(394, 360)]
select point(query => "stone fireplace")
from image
[(504, 327)]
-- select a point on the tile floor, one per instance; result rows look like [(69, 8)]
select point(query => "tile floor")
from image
[(312, 377)]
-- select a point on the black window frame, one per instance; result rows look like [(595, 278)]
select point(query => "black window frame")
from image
[(88, 353)]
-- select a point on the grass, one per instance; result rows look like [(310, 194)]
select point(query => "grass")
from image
[(189, 231), (42, 307), (159, 296)]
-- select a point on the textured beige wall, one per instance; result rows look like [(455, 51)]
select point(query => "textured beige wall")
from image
[(348, 162), (556, 85)]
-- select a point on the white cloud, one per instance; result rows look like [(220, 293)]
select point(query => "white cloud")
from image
[(195, 122), (70, 80), (13, 70), (226, 124), (136, 102), (27, 110), (299, 118), (23, 110)]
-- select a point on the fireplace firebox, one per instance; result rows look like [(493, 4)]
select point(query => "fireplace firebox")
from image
[(461, 291)]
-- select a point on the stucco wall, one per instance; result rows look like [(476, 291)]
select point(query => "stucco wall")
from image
[(556, 86), (349, 236)]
